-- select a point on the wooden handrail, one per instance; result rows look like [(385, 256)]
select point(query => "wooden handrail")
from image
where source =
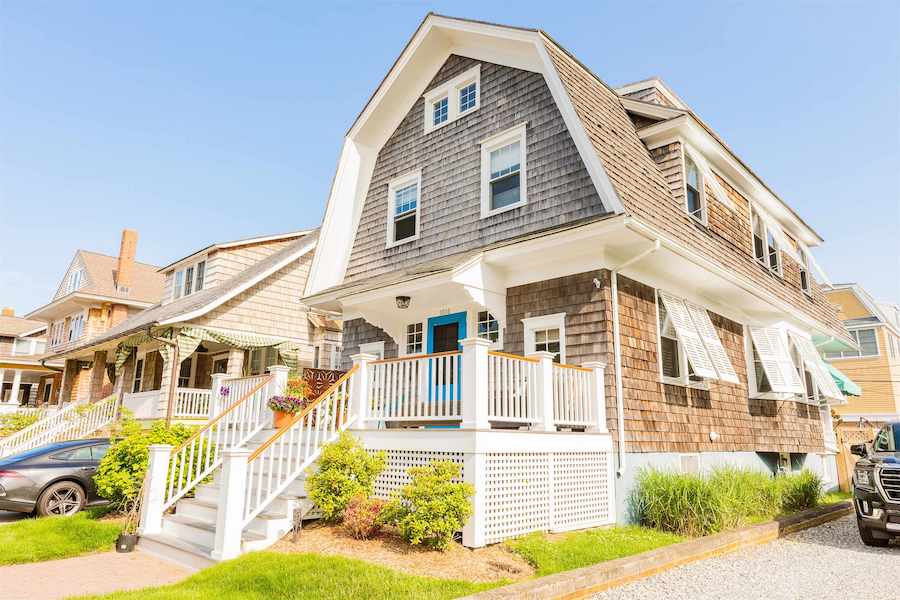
[(305, 412), (243, 398), (573, 367), (512, 356), (414, 357)]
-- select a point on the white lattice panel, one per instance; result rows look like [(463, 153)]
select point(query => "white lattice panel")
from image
[(394, 475), (580, 490), (517, 494)]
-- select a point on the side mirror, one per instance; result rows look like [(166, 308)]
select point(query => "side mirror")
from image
[(859, 450)]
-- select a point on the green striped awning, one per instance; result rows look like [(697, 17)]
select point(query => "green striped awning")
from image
[(847, 386)]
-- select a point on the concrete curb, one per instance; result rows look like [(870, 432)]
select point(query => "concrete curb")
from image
[(581, 583)]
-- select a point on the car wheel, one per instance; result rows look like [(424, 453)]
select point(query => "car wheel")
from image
[(865, 534), (61, 499)]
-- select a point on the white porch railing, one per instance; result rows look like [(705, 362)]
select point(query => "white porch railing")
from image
[(246, 414), (572, 401), (512, 388), (23, 440), (416, 388), (192, 403)]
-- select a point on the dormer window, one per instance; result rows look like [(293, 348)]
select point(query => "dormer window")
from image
[(189, 280), (453, 99), (805, 283), (75, 279), (503, 171), (403, 209), (693, 183), (765, 246)]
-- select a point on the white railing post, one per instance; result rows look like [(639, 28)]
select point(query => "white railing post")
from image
[(215, 395), (359, 389), (474, 378), (544, 390), (277, 387), (155, 491), (230, 513), (598, 396)]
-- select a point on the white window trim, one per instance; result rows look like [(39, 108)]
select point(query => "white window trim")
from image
[(450, 89), (779, 270), (701, 181), (557, 321), (488, 145), (393, 186), (752, 384), (74, 285), (376, 348), (860, 356), (404, 351), (183, 269), (498, 345), (804, 267), (684, 379)]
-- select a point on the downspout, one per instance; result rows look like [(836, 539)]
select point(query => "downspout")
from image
[(617, 350), (173, 376)]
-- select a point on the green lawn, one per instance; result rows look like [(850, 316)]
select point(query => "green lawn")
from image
[(265, 575), (32, 540), (556, 553), (835, 497)]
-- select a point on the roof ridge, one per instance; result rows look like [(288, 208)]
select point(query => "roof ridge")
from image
[(137, 262)]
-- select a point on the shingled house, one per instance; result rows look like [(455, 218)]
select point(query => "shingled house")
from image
[(495, 188)]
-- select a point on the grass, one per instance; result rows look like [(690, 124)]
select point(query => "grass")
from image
[(555, 553), (48, 538), (835, 497), (265, 575)]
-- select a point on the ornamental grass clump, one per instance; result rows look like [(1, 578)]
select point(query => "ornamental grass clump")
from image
[(345, 470), (799, 492)]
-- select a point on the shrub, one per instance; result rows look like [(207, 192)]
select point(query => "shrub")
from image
[(432, 507), (345, 470), (121, 472), (799, 492), (361, 518), (12, 423)]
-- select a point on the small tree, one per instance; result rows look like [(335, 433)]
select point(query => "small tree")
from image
[(431, 508), (345, 470)]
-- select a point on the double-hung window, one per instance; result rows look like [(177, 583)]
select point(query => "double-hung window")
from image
[(503, 174), (693, 187), (403, 209), (866, 339), (189, 280), (414, 338), (765, 245), (453, 99)]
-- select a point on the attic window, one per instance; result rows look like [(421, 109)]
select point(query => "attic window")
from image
[(75, 279), (453, 99), (189, 280), (693, 184)]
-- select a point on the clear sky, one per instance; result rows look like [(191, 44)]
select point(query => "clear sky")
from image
[(199, 122)]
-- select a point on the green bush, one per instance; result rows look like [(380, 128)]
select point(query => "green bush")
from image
[(432, 507), (121, 472), (726, 498), (12, 423), (345, 470)]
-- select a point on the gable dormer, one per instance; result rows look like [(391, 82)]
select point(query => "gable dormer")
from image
[(75, 278)]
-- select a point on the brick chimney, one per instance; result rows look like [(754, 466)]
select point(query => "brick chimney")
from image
[(125, 267), (9, 311)]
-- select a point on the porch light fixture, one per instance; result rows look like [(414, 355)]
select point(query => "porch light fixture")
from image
[(402, 301)]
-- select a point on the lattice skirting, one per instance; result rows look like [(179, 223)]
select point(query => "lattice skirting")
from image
[(394, 475), (527, 491)]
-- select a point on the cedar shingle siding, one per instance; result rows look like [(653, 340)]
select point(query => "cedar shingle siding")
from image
[(359, 331), (559, 188)]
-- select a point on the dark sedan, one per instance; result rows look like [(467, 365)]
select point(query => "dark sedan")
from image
[(56, 479)]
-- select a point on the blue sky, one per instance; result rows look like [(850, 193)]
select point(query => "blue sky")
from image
[(201, 122)]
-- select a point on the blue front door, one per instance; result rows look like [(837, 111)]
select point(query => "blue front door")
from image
[(444, 334)]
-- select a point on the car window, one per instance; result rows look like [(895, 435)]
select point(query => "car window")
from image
[(99, 451), (884, 441), (82, 453)]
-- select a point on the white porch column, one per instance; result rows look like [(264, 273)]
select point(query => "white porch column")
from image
[(359, 389), (235, 363), (16, 382), (598, 396), (155, 492), (277, 386), (474, 378), (215, 395), (230, 513), (544, 389)]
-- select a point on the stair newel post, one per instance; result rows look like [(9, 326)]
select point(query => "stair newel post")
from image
[(544, 389), (474, 382), (230, 512), (598, 396), (277, 387), (359, 389), (155, 489), (215, 395)]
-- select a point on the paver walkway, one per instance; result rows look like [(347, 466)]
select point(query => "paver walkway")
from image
[(91, 574), (827, 562)]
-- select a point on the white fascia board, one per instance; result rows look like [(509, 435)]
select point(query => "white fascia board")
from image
[(25, 334), (653, 82), (243, 287), (650, 110), (82, 299)]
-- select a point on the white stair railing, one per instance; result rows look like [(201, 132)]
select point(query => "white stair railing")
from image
[(246, 414), (284, 456), (31, 436)]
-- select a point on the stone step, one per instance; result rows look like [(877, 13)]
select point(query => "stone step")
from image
[(200, 532), (176, 551)]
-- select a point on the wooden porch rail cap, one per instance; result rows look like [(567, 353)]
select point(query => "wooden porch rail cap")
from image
[(512, 356), (413, 357)]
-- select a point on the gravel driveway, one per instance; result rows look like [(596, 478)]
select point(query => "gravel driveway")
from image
[(827, 561)]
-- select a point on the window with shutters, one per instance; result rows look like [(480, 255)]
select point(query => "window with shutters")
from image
[(765, 245), (773, 373), (819, 382)]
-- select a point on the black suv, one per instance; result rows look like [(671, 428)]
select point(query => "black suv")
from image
[(876, 487)]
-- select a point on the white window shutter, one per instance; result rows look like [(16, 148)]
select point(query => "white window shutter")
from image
[(689, 337), (713, 344), (815, 365), (772, 349)]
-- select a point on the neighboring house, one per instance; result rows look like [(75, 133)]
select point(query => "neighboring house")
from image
[(494, 187), (96, 293), (875, 366), (233, 308), (26, 378)]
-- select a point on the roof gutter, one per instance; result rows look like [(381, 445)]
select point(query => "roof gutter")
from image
[(617, 349)]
